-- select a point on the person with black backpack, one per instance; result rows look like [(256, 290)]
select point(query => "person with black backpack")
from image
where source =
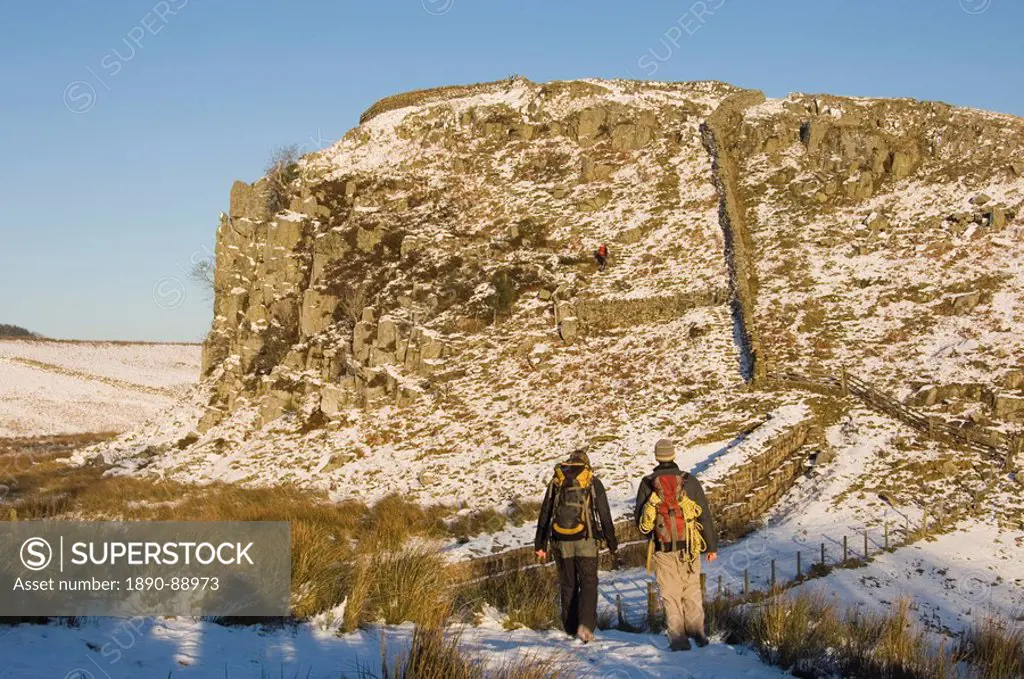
[(573, 517), (672, 510)]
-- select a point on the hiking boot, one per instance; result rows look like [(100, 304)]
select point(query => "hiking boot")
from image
[(585, 634), (680, 645), (702, 641)]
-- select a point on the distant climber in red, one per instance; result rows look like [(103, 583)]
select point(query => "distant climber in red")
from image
[(601, 255)]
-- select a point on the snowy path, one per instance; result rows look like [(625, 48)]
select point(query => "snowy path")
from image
[(178, 647)]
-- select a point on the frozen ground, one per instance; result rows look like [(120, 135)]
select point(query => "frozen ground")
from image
[(49, 387), (954, 581), (883, 477), (504, 423), (869, 284), (180, 647), (171, 367)]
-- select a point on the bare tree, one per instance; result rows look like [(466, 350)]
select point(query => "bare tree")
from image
[(281, 172), (202, 272)]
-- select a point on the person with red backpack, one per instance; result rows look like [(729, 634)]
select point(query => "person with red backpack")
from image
[(672, 510), (601, 256), (573, 517)]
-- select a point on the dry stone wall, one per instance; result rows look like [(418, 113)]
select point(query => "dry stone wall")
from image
[(719, 133), (605, 313)]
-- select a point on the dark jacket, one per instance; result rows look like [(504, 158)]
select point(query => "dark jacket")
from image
[(694, 491), (601, 519)]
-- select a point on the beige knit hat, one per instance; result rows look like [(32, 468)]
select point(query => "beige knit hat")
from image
[(664, 450)]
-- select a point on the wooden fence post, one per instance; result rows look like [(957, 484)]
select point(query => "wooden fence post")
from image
[(846, 549), (866, 554), (746, 581), (886, 531), (924, 522), (823, 554), (652, 606), (719, 592), (799, 572), (618, 612), (773, 574)]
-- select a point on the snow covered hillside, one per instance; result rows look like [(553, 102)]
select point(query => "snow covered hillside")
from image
[(417, 309), (887, 237), (53, 387)]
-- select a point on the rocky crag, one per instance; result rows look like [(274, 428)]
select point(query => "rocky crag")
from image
[(439, 215), (424, 292)]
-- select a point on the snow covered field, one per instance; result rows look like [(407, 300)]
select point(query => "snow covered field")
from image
[(955, 579), (52, 387)]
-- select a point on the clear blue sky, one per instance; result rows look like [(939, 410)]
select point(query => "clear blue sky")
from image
[(122, 124)]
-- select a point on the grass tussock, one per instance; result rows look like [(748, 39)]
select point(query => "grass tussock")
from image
[(437, 654), (811, 635), (524, 511), (340, 551), (996, 651), (528, 598), (787, 630), (408, 585), (468, 524)]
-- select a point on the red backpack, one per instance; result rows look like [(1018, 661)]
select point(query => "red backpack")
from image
[(670, 524)]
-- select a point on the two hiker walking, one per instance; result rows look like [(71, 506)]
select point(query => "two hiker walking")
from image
[(671, 510)]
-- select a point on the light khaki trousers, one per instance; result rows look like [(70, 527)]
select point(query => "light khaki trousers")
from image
[(679, 585)]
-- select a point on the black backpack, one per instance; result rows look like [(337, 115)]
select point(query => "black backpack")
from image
[(573, 487)]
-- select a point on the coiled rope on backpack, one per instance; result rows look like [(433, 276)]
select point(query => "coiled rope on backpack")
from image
[(693, 538), (695, 542)]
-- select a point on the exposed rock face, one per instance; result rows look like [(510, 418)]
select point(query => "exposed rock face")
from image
[(451, 234), (883, 236), (417, 231)]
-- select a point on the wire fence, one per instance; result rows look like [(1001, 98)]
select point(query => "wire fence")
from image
[(807, 562)]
